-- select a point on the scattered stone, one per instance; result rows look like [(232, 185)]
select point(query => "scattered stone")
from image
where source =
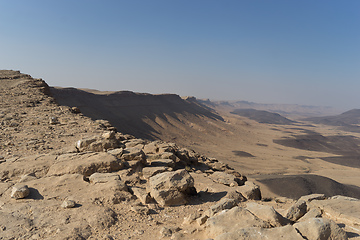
[(238, 197), (169, 188), (256, 233), (103, 177), (108, 135), (309, 198), (191, 218), (224, 203), (142, 195), (320, 229), (165, 232), (201, 220), (133, 153), (117, 152), (224, 178), (268, 214), (68, 204), (312, 213), (143, 210), (297, 210), (148, 172), (250, 191), (20, 191), (75, 110), (53, 120), (235, 218)]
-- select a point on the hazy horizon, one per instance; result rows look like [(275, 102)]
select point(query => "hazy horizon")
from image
[(283, 52)]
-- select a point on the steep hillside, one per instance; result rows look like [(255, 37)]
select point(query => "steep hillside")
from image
[(348, 121), (263, 116), (140, 114)]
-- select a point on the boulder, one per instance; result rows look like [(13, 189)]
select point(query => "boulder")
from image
[(250, 191), (133, 153), (320, 229), (224, 178), (170, 188), (315, 196), (340, 208), (148, 172), (142, 195), (297, 210), (235, 218), (20, 191), (68, 203), (233, 194), (268, 214), (224, 203)]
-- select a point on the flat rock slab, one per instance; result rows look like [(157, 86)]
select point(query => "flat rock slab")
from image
[(341, 209), (256, 233), (85, 164), (36, 164), (103, 177), (235, 218)]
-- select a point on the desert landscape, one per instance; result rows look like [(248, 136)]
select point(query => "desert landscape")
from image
[(88, 164)]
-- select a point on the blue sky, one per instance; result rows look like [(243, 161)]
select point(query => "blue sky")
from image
[(279, 51)]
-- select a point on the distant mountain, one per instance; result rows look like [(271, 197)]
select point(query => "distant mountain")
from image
[(263, 116), (349, 121), (293, 110)]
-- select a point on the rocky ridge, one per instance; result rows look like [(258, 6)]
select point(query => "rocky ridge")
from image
[(64, 176)]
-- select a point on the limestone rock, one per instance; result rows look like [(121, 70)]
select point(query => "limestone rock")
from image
[(85, 164), (320, 229), (169, 188), (20, 191), (312, 213), (133, 153), (250, 191), (224, 203), (297, 210), (162, 163), (238, 197), (235, 218), (68, 204), (268, 214), (224, 178), (315, 196), (148, 172), (103, 177), (141, 194), (256, 233)]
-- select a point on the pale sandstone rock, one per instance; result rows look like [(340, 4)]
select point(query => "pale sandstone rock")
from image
[(315, 196), (103, 177), (256, 233), (169, 188), (320, 229), (224, 203), (250, 191), (224, 178), (235, 218), (20, 191), (68, 203), (141, 194), (148, 172), (297, 210), (268, 214), (85, 164)]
